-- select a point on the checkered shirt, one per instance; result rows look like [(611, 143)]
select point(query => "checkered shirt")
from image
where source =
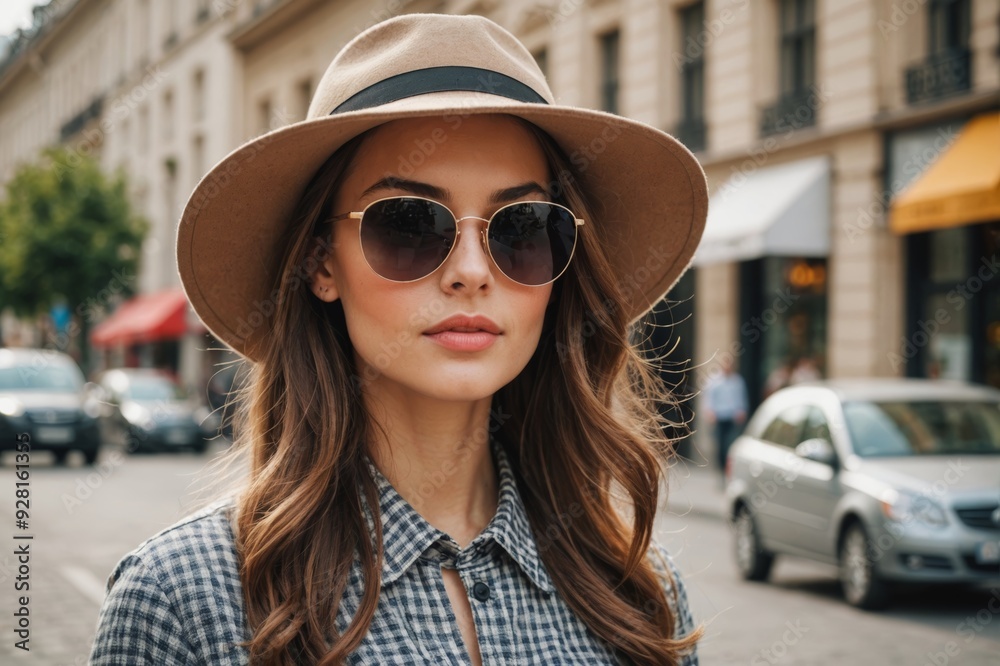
[(177, 598)]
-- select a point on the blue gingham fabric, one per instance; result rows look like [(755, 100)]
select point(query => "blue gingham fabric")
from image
[(176, 598)]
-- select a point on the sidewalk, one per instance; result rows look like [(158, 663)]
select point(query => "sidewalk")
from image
[(695, 489)]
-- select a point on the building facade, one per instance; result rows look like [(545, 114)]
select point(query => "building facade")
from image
[(815, 120), (147, 87)]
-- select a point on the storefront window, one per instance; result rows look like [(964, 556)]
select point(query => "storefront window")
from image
[(948, 251), (950, 345), (954, 328), (988, 266), (783, 323)]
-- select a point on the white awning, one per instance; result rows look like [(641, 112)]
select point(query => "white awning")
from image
[(781, 210)]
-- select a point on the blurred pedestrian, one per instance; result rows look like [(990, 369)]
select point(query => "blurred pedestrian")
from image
[(805, 370), (432, 421), (726, 406), (780, 377)]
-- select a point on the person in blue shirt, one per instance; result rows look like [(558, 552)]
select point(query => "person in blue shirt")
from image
[(726, 407)]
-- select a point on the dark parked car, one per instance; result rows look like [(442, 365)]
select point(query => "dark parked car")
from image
[(145, 410), (892, 480), (42, 394)]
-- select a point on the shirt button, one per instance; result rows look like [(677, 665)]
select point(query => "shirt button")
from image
[(481, 591)]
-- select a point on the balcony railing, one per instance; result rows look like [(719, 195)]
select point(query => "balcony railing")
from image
[(691, 132), (940, 75), (791, 112)]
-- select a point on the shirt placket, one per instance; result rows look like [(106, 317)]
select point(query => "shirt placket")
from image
[(479, 577)]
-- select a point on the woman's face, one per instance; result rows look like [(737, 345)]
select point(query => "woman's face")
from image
[(463, 168)]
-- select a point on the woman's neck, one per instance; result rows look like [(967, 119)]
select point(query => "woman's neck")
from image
[(438, 458)]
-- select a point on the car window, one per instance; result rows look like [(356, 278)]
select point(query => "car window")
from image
[(56, 378), (817, 426), (786, 428), (154, 388), (923, 428)]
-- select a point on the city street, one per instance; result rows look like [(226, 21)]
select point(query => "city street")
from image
[(800, 617), (83, 520)]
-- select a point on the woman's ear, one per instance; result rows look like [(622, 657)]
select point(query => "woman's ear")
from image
[(323, 282)]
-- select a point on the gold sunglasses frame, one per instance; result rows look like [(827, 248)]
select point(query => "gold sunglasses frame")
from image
[(483, 234)]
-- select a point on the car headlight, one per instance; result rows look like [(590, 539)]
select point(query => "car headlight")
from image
[(904, 507), (92, 409), (138, 416), (11, 407)]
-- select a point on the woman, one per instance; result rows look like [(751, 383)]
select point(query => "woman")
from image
[(434, 276)]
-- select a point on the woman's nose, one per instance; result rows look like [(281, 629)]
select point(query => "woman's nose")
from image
[(469, 261)]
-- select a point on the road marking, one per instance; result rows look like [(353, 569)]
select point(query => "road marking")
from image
[(87, 583)]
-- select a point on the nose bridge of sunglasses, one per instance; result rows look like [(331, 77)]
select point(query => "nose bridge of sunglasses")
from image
[(484, 222)]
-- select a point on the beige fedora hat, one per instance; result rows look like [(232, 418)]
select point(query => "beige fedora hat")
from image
[(651, 192)]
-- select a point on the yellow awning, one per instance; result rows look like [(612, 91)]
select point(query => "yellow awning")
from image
[(961, 187)]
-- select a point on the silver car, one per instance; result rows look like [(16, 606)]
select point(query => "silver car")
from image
[(145, 410), (891, 480)]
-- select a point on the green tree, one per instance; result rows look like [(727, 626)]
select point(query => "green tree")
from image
[(67, 235)]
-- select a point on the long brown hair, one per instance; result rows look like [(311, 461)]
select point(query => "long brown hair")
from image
[(583, 426)]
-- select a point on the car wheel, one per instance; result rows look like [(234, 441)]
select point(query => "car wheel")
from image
[(862, 585), (90, 456), (60, 456), (752, 560), (200, 446)]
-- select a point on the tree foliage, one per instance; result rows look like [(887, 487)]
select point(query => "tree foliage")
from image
[(67, 234)]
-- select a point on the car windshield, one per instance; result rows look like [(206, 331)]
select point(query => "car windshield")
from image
[(55, 378), (154, 388), (923, 428)]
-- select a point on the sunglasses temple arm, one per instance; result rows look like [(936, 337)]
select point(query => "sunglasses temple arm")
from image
[(343, 216)]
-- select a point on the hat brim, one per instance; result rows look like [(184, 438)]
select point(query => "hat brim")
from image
[(653, 191)]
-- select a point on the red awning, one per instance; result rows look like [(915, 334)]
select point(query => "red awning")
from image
[(145, 318)]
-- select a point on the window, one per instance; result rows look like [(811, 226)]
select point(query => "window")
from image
[(797, 69), (691, 129), (948, 24), (953, 315), (142, 35), (945, 427), (542, 60), (198, 156), (947, 68), (786, 429), (305, 91), (783, 322), (170, 26), (609, 71), (798, 46), (168, 115), (817, 426), (265, 116), (198, 94), (202, 11), (143, 130)]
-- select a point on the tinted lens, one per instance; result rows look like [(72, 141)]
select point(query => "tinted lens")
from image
[(405, 238), (532, 243)]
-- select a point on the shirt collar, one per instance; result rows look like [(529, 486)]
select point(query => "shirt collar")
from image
[(407, 534)]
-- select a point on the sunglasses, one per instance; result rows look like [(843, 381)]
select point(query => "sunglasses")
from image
[(404, 239)]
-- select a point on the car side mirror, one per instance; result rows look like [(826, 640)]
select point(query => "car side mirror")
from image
[(818, 450)]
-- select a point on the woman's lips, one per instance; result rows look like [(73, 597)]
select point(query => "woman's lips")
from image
[(464, 341), (465, 332)]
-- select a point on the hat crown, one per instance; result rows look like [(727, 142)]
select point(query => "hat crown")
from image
[(412, 42)]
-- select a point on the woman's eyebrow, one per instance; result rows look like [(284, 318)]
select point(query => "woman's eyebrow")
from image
[(435, 192)]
